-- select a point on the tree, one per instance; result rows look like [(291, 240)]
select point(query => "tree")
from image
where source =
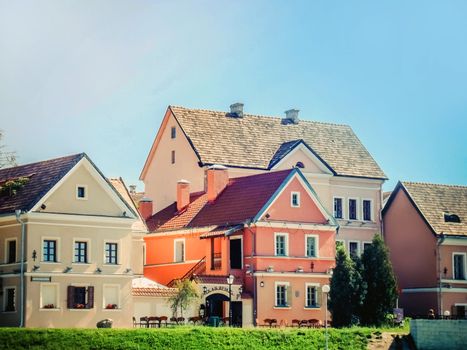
[(381, 292), (7, 158), (359, 288), (342, 290), (186, 294)]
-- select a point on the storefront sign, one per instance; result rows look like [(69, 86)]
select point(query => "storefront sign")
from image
[(41, 279)]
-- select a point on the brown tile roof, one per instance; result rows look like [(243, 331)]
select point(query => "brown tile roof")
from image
[(42, 177), (255, 141), (433, 201), (211, 279), (220, 231)]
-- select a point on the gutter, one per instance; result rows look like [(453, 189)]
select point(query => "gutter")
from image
[(23, 234), (440, 241)]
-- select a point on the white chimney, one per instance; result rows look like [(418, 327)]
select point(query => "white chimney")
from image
[(291, 116), (236, 110)]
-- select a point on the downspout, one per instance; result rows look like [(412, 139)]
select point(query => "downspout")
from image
[(440, 241), (253, 253), (23, 234)]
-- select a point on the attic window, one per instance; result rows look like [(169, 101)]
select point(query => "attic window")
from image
[(173, 132), (299, 165), (81, 192), (451, 218)]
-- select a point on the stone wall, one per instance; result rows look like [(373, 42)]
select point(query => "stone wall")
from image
[(439, 334)]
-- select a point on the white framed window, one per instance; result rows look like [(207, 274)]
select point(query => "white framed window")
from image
[(81, 192), (366, 245), (111, 296), (459, 266), (179, 250), (295, 199), (354, 248), (9, 299), (282, 291), (367, 210), (111, 252), (173, 132), (353, 209), (80, 296), (81, 251), (311, 246), (11, 250), (49, 296), (281, 244), (338, 207), (50, 249), (312, 295)]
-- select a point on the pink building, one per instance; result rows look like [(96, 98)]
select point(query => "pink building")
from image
[(270, 231), (425, 228)]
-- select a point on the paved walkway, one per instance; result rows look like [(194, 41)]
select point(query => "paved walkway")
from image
[(390, 341)]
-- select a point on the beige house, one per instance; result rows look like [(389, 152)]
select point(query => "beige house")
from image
[(68, 253), (346, 178)]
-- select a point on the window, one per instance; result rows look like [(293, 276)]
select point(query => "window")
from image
[(111, 253), (300, 165), (110, 293), (353, 249), (280, 244), (451, 218), (459, 265), (338, 208), (235, 253), (281, 294), (366, 245), (80, 297), (295, 199), (173, 157), (312, 295), (173, 132), (352, 209), (9, 299), (81, 252), (49, 296), (179, 250), (311, 245), (366, 210), (10, 247), (49, 250), (81, 192)]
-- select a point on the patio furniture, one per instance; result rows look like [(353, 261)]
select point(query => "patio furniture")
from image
[(271, 322), (143, 322), (162, 320), (303, 323), (295, 322), (153, 321), (180, 320), (313, 323)]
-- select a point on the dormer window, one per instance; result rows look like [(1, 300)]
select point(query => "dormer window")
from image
[(295, 199), (300, 165), (452, 218), (81, 192)]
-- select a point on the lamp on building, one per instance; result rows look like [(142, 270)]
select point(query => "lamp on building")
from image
[(128, 270), (98, 270), (230, 281), (68, 269), (325, 289), (202, 311), (35, 268), (34, 255), (205, 290), (261, 284)]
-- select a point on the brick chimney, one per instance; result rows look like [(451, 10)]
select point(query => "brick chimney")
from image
[(291, 116), (217, 180), (145, 208), (183, 194), (236, 110)]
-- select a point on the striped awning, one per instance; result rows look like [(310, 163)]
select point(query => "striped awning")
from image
[(221, 231)]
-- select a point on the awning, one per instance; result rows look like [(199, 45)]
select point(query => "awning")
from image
[(221, 231)]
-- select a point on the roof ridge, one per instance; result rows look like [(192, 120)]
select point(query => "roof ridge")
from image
[(268, 173), (82, 154), (432, 184), (260, 116)]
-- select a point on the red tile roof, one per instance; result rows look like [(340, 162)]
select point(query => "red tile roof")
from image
[(240, 201), (220, 231), (154, 292)]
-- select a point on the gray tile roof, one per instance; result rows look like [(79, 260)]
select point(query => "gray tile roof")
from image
[(256, 141)]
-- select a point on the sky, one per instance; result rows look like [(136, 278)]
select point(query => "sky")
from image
[(97, 76)]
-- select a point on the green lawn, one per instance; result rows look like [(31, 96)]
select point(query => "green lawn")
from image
[(185, 338)]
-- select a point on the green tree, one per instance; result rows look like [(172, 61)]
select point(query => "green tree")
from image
[(7, 158), (359, 289), (342, 290), (379, 277), (186, 294)]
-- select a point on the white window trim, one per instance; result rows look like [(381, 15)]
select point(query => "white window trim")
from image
[(316, 285), (286, 243), (119, 253), (112, 285), (372, 218), (7, 240), (343, 207), (292, 193), (465, 265), (287, 285), (316, 237), (57, 249), (241, 247), (85, 198), (175, 249), (357, 209), (57, 296), (88, 257), (358, 247), (5, 296)]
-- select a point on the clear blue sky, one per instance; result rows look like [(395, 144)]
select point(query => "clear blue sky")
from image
[(97, 76)]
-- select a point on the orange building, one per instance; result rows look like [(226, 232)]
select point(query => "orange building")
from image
[(426, 231), (270, 231)]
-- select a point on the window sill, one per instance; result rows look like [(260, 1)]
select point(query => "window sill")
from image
[(108, 264), (51, 262), (52, 309), (80, 263), (80, 309), (282, 307), (311, 308), (112, 310)]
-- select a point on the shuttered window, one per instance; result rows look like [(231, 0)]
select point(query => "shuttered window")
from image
[(80, 297)]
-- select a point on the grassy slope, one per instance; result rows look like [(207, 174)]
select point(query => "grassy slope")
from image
[(183, 338)]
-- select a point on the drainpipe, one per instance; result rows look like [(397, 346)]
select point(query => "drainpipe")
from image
[(440, 292), (23, 234)]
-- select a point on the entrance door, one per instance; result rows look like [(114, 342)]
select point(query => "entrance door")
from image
[(237, 313), (214, 305)]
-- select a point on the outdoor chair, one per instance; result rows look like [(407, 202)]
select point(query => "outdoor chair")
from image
[(143, 322), (303, 323), (295, 322), (225, 321), (153, 321), (135, 323), (163, 319), (194, 319), (313, 323), (180, 320)]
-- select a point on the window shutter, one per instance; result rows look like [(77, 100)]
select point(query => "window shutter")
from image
[(70, 297), (90, 303), (319, 297), (289, 295)]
